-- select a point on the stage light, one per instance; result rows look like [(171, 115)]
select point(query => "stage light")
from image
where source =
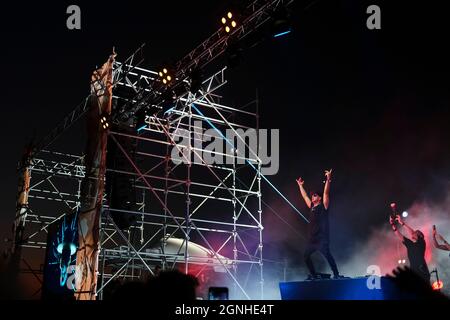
[(104, 121), (403, 261), (228, 23), (399, 261), (405, 214), (438, 285), (281, 24), (281, 34), (166, 75)]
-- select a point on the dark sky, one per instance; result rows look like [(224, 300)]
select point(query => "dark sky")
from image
[(371, 104)]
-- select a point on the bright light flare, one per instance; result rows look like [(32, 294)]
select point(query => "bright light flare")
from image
[(438, 285)]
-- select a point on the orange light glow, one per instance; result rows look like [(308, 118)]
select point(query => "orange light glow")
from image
[(438, 285)]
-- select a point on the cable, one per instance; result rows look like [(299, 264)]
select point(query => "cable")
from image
[(264, 177)]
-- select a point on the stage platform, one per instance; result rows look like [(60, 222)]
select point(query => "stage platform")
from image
[(342, 289)]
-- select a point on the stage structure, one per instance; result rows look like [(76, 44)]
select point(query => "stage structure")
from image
[(158, 200), (188, 200)]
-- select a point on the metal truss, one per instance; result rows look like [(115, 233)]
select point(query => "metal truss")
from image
[(55, 190), (255, 15), (123, 70), (189, 205), (177, 198), (182, 207)]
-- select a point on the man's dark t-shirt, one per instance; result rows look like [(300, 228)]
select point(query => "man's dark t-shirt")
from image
[(319, 230), (416, 256)]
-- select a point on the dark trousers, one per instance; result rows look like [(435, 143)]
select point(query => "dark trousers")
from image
[(324, 249), (422, 271)]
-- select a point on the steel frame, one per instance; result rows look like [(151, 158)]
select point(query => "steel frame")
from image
[(162, 187), (159, 181)]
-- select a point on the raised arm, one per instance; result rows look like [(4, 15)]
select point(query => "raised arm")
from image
[(307, 200), (410, 230), (445, 246), (394, 228), (326, 189)]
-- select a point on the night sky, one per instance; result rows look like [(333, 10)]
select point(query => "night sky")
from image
[(374, 105)]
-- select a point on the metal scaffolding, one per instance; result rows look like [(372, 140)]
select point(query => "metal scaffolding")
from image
[(179, 204), (188, 212)]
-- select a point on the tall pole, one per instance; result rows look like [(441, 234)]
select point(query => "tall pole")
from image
[(166, 195), (93, 185), (260, 229), (235, 217), (188, 190), (21, 213), (259, 201)]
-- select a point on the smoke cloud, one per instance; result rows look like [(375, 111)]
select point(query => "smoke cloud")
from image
[(384, 249)]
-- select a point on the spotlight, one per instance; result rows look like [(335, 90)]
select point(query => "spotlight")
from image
[(104, 121), (228, 22), (403, 261), (281, 24), (166, 75), (438, 285), (405, 214)]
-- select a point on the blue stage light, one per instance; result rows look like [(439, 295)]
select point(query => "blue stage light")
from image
[(282, 34)]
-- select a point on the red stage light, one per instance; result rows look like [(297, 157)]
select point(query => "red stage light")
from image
[(438, 285)]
